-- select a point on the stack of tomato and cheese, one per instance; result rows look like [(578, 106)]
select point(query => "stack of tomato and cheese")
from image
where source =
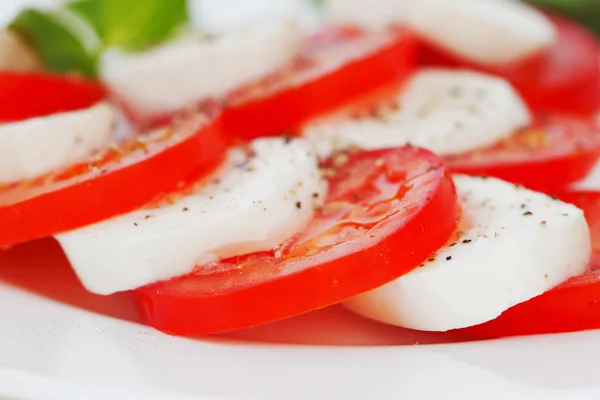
[(411, 160)]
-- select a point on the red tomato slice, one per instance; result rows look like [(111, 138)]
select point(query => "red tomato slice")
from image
[(386, 212), (555, 151), (26, 95), (119, 180), (565, 78), (337, 67), (572, 306)]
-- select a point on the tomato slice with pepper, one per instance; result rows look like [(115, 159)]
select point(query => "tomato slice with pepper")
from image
[(118, 180), (565, 78), (572, 306), (336, 67), (29, 95), (555, 151), (386, 212)]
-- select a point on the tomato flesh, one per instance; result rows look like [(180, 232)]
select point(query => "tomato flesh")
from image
[(565, 78), (338, 66), (555, 151), (386, 212), (122, 178), (572, 306), (28, 95)]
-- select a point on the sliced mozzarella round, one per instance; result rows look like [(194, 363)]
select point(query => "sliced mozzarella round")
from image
[(446, 111), (515, 244), (41, 145), (16, 54), (373, 14), (217, 17), (170, 77), (492, 32), (251, 205)]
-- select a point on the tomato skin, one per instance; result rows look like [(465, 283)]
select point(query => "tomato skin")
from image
[(311, 273), (30, 95), (568, 78), (555, 151), (303, 93), (570, 307), (564, 78), (92, 192)]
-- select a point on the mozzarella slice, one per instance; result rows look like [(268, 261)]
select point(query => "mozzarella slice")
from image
[(446, 111), (168, 78), (491, 32), (41, 145), (217, 17), (515, 244), (373, 14), (243, 209), (16, 54)]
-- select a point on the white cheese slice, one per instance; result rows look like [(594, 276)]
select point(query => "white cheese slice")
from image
[(488, 32), (217, 17), (38, 146), (373, 14), (170, 77), (515, 245), (251, 205), (449, 112)]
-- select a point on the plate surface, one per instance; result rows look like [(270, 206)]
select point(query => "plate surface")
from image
[(59, 342)]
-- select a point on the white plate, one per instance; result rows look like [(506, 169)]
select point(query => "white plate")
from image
[(59, 342)]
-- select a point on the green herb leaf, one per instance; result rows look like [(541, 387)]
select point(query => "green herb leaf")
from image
[(132, 24), (62, 43)]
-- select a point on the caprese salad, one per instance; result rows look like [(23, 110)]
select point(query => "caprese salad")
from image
[(410, 160)]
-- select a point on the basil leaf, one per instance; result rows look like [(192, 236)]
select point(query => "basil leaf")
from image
[(132, 24), (59, 40)]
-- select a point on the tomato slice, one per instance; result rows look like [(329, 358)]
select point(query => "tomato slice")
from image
[(572, 306), (386, 212), (28, 95), (565, 78), (555, 151), (120, 179), (336, 67)]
